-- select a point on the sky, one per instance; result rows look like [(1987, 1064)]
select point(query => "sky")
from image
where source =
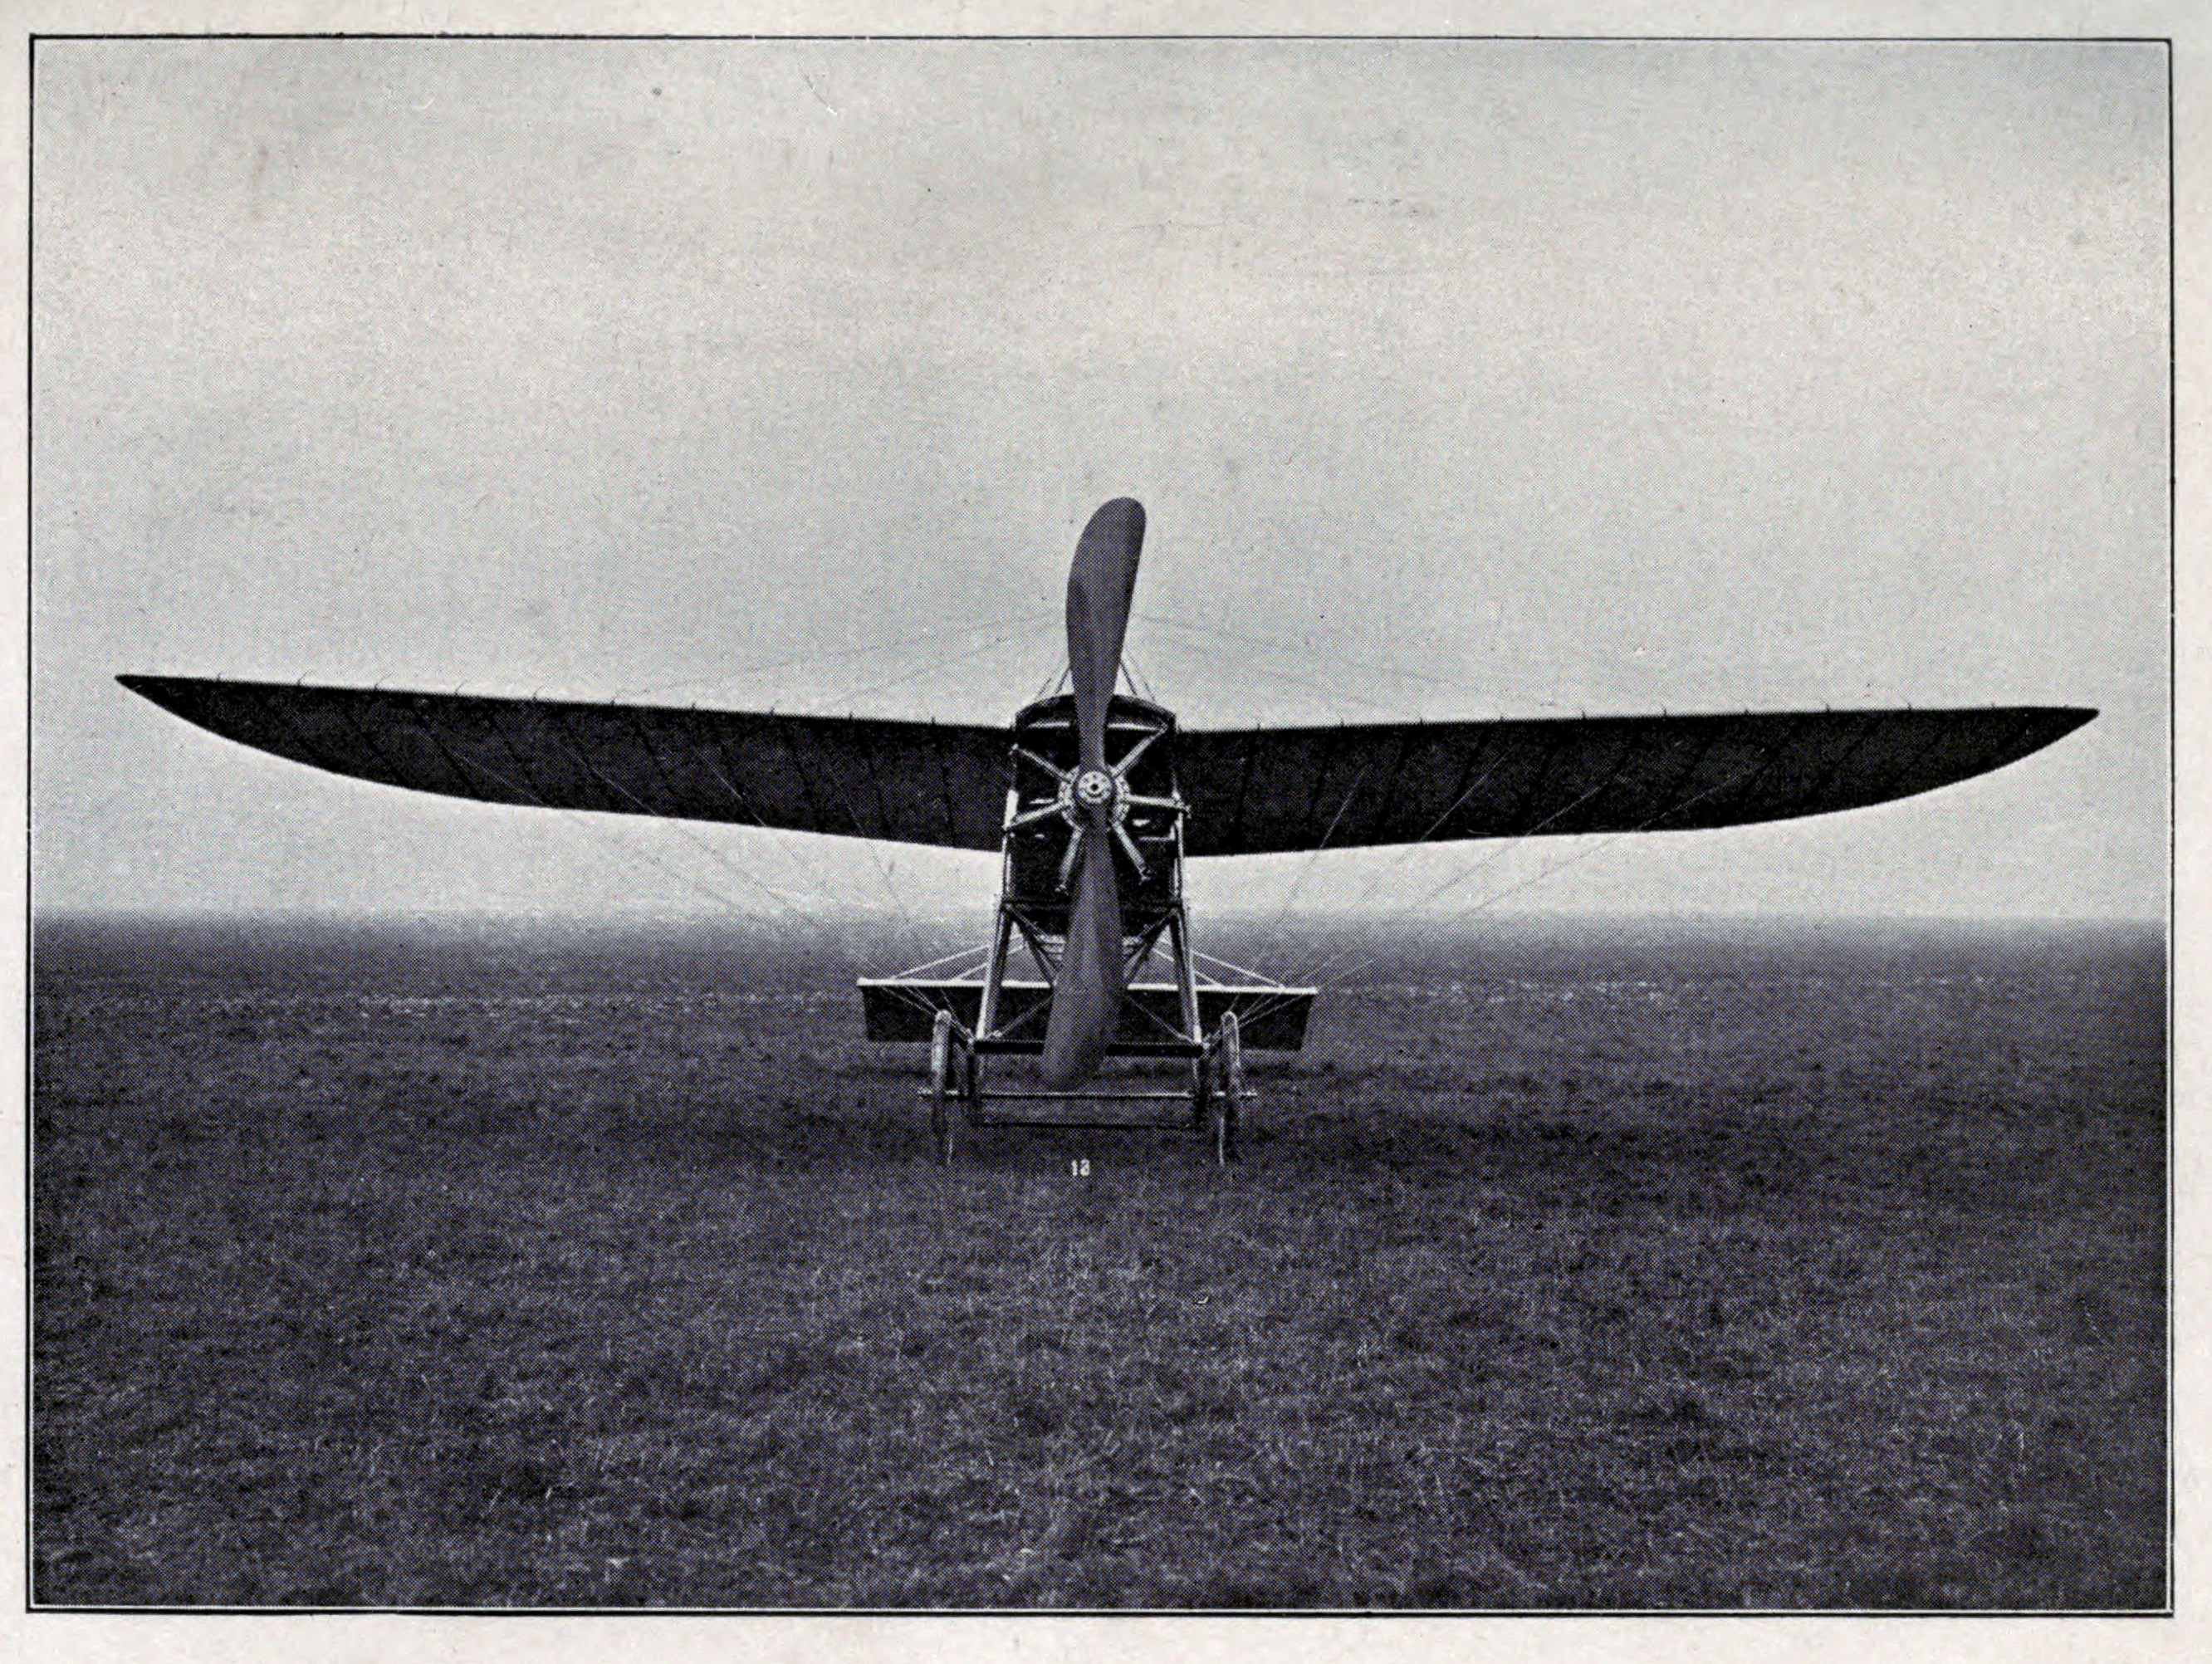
[(1459, 379)]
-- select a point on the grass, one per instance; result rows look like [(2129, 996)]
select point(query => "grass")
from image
[(1563, 1270)]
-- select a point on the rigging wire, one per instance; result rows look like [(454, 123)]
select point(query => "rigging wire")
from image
[(908, 925), (1029, 617), (1365, 936), (843, 948), (608, 838), (1226, 965), (1139, 684), (1332, 697), (779, 838), (1272, 929), (1052, 685), (897, 909), (1389, 869), (995, 642), (979, 951), (792, 902), (791, 852), (1480, 867), (1304, 650)]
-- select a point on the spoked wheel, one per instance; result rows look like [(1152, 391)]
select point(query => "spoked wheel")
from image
[(1229, 1059), (941, 1118)]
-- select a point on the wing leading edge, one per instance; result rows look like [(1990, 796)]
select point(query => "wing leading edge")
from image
[(1250, 791), (1264, 790)]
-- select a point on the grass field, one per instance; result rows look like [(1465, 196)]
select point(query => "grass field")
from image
[(1683, 1269)]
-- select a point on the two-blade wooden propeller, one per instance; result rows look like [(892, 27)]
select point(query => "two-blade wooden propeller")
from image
[(1087, 998)]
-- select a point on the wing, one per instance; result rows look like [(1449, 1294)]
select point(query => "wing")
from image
[(908, 783), (1260, 790)]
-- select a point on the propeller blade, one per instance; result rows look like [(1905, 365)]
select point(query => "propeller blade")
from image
[(1087, 998), (1086, 995), (1099, 587)]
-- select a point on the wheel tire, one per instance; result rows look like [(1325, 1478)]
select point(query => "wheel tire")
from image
[(1201, 1095), (969, 1111), (1230, 1100), (940, 1106)]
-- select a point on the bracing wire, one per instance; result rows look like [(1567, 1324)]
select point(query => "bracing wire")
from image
[(980, 950), (811, 873), (1029, 617), (897, 909), (875, 854), (607, 838), (1231, 965), (1273, 930), (990, 645), (1304, 650), (1138, 683), (844, 948), (1367, 935), (1054, 683), (1405, 852), (1334, 698)]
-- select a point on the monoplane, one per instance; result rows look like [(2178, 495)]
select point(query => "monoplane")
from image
[(1093, 800)]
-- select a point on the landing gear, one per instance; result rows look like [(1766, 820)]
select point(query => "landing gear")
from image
[(1164, 1027), (1067, 786), (1229, 1059)]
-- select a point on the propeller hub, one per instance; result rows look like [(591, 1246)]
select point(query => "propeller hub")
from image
[(1087, 789)]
